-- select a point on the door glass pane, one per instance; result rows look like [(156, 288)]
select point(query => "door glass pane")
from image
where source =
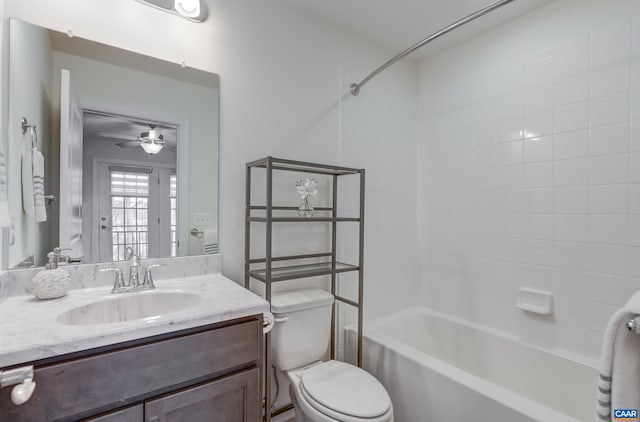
[(129, 213), (173, 194)]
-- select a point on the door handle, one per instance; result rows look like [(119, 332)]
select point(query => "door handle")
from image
[(103, 227)]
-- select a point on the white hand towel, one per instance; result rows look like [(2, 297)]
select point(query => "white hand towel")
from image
[(38, 186), (619, 382), (28, 202), (210, 242)]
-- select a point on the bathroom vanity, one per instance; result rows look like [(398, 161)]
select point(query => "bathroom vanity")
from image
[(199, 363)]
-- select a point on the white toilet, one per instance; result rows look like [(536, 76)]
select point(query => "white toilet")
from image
[(329, 391)]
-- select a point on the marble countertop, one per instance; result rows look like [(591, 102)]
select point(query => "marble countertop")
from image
[(29, 329)]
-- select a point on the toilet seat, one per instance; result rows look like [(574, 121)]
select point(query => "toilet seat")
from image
[(345, 393)]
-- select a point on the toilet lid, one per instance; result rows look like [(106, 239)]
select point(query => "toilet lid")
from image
[(345, 389)]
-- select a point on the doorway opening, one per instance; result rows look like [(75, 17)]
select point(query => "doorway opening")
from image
[(132, 193)]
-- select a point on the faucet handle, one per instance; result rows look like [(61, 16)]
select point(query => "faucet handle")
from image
[(118, 284), (148, 277)]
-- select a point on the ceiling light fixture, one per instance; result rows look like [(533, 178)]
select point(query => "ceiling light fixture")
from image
[(150, 147), (152, 135), (151, 141), (193, 10)]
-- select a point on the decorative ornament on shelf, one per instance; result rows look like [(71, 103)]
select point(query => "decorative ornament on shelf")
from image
[(306, 188)]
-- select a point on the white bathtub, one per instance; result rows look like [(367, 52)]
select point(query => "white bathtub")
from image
[(437, 368)]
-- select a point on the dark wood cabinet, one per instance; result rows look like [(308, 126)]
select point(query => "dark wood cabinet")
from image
[(206, 374)]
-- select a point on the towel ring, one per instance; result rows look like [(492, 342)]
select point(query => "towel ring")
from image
[(34, 134)]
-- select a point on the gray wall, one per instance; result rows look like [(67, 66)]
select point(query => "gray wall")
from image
[(30, 94)]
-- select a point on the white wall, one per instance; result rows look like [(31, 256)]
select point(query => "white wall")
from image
[(30, 96), (282, 81), (530, 172)]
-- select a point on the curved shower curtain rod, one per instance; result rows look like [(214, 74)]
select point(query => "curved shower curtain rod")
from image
[(355, 88)]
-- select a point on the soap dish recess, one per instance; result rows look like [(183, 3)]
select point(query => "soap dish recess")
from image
[(535, 301)]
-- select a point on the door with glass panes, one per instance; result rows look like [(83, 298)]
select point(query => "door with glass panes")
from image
[(137, 210)]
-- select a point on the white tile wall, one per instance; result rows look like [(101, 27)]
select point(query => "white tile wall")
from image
[(610, 139), (551, 195), (573, 172), (571, 144), (388, 153), (538, 149)]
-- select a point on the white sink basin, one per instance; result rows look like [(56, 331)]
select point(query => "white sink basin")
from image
[(129, 307)]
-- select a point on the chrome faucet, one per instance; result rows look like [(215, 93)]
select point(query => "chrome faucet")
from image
[(134, 280), (134, 284)]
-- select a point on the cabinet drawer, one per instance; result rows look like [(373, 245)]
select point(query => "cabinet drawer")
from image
[(231, 399), (106, 381)]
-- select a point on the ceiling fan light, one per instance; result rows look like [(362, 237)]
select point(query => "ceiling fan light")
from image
[(188, 8), (151, 148), (153, 134)]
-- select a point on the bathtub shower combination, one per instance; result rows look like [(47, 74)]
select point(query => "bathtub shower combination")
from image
[(439, 368)]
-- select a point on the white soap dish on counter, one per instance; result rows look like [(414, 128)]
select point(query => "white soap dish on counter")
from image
[(535, 301)]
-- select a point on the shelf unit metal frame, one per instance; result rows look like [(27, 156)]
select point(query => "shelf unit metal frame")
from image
[(269, 274)]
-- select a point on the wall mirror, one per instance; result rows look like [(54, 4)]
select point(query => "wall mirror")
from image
[(107, 149)]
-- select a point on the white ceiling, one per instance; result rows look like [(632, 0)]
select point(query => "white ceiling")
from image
[(116, 129), (398, 24)]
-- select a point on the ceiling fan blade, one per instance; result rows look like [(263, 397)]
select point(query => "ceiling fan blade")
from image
[(116, 136), (128, 144), (170, 148)]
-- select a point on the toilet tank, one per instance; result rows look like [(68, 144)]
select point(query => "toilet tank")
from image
[(302, 329)]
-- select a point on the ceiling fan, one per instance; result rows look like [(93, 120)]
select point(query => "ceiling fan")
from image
[(151, 141)]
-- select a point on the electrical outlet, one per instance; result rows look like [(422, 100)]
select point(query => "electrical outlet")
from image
[(201, 218)]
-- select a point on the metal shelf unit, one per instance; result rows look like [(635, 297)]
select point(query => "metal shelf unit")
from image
[(264, 270)]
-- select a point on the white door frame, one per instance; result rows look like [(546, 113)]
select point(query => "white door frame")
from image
[(183, 160)]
